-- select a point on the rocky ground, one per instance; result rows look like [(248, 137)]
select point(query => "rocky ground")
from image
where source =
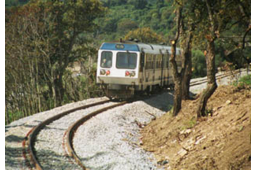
[(220, 141)]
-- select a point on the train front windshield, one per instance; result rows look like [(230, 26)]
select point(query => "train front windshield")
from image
[(126, 60), (106, 59)]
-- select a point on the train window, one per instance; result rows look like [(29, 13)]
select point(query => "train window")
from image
[(147, 61), (159, 61), (167, 59), (106, 59), (153, 61), (164, 61), (126, 60), (150, 61)]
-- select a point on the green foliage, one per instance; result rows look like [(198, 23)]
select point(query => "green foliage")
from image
[(138, 4), (170, 109), (244, 81), (109, 25), (15, 3), (198, 64), (129, 15), (208, 111), (43, 38), (114, 2), (192, 123), (126, 25), (145, 35), (13, 115)]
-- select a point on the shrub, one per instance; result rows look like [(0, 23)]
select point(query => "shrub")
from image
[(244, 81)]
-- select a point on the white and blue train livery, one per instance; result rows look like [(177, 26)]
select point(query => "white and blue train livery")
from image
[(127, 68)]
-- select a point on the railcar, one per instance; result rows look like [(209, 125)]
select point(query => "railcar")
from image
[(128, 68)]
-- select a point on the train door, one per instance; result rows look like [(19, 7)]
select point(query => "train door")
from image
[(168, 68), (149, 71), (154, 69), (162, 70), (142, 70)]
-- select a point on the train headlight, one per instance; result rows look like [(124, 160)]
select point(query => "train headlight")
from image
[(102, 72), (108, 72), (131, 74), (127, 73)]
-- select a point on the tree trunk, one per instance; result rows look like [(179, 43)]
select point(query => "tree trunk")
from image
[(177, 81), (187, 65), (210, 63), (59, 89), (176, 76), (177, 96), (7, 117), (211, 79), (54, 96)]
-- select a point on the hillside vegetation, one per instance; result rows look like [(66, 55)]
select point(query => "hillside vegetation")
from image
[(45, 39)]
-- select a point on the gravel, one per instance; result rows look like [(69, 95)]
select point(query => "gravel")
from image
[(17, 130), (49, 147), (110, 140)]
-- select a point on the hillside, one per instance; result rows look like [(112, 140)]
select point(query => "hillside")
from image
[(125, 16), (220, 141), (12, 3)]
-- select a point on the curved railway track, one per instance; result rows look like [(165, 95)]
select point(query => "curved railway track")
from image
[(30, 138), (71, 130), (29, 141)]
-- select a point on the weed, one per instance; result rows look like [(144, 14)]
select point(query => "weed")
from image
[(192, 123), (208, 111), (246, 80), (171, 109), (189, 124)]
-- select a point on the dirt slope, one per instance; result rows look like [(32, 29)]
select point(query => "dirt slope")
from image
[(220, 141)]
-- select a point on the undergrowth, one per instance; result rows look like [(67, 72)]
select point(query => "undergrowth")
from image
[(244, 81)]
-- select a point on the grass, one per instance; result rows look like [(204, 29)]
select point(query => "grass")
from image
[(246, 80), (189, 123)]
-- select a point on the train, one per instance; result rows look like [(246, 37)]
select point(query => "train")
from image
[(128, 68)]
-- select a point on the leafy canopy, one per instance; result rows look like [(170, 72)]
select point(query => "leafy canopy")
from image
[(145, 35)]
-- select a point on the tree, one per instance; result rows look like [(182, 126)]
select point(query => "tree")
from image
[(67, 22), (23, 61), (145, 35), (216, 19), (198, 64), (187, 26), (127, 25), (177, 76), (43, 38), (138, 4), (182, 78)]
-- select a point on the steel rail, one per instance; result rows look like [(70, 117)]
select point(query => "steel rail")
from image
[(205, 79), (31, 136), (72, 129)]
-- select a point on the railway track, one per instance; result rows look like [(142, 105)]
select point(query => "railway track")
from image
[(71, 130), (218, 77), (30, 139), (29, 151)]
